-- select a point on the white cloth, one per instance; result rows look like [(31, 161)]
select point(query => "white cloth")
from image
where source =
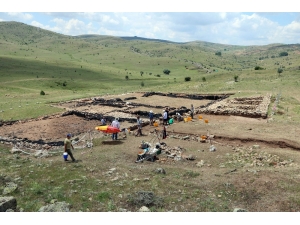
[(165, 116), (116, 124)]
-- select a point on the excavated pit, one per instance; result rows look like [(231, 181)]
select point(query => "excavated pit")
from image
[(83, 115)]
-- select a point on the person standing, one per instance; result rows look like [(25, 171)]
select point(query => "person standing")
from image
[(103, 121), (192, 111), (168, 115), (68, 145), (165, 117), (164, 133), (115, 124), (139, 126), (151, 117)]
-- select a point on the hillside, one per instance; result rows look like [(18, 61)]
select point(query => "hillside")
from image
[(238, 151), (67, 67)]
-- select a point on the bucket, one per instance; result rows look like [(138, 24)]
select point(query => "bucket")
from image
[(155, 124), (206, 121), (189, 118), (65, 155), (200, 117), (185, 119)]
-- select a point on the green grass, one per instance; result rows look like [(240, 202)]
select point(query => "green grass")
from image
[(34, 60)]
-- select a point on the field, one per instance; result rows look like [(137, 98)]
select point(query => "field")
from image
[(256, 163)]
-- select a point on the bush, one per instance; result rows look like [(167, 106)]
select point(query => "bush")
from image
[(187, 78), (166, 71), (142, 84), (283, 54), (203, 79), (236, 77), (258, 68), (126, 77), (42, 93), (218, 53)]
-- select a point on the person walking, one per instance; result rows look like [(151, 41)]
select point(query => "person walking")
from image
[(151, 117), (192, 111), (115, 124), (68, 145), (139, 126)]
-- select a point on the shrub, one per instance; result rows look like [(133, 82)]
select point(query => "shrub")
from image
[(126, 77), (203, 79), (142, 84), (258, 68), (218, 53), (283, 54), (42, 93), (166, 71), (236, 77), (187, 78)]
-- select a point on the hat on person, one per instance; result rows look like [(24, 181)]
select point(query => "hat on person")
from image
[(117, 118), (151, 111), (69, 135)]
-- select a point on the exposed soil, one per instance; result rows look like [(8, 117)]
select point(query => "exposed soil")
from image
[(236, 163)]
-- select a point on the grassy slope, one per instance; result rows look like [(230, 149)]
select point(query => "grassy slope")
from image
[(33, 59)]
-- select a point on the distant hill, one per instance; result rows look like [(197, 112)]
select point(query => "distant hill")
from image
[(149, 39)]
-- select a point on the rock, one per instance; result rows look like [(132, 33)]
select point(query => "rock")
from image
[(200, 164), (212, 148), (41, 153), (160, 170), (15, 150), (190, 157), (10, 210), (144, 209), (56, 207), (9, 188), (185, 138), (122, 210), (239, 210), (7, 203), (256, 147)]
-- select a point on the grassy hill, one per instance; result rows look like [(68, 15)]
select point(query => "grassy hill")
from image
[(67, 67)]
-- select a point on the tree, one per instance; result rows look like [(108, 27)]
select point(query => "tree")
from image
[(279, 71), (42, 93), (218, 53), (126, 77), (203, 79), (141, 73), (166, 71)]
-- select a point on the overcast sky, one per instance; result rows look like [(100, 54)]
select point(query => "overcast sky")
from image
[(225, 22)]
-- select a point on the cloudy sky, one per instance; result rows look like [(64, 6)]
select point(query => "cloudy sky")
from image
[(218, 21)]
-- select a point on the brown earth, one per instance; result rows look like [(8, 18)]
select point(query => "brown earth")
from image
[(232, 135)]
